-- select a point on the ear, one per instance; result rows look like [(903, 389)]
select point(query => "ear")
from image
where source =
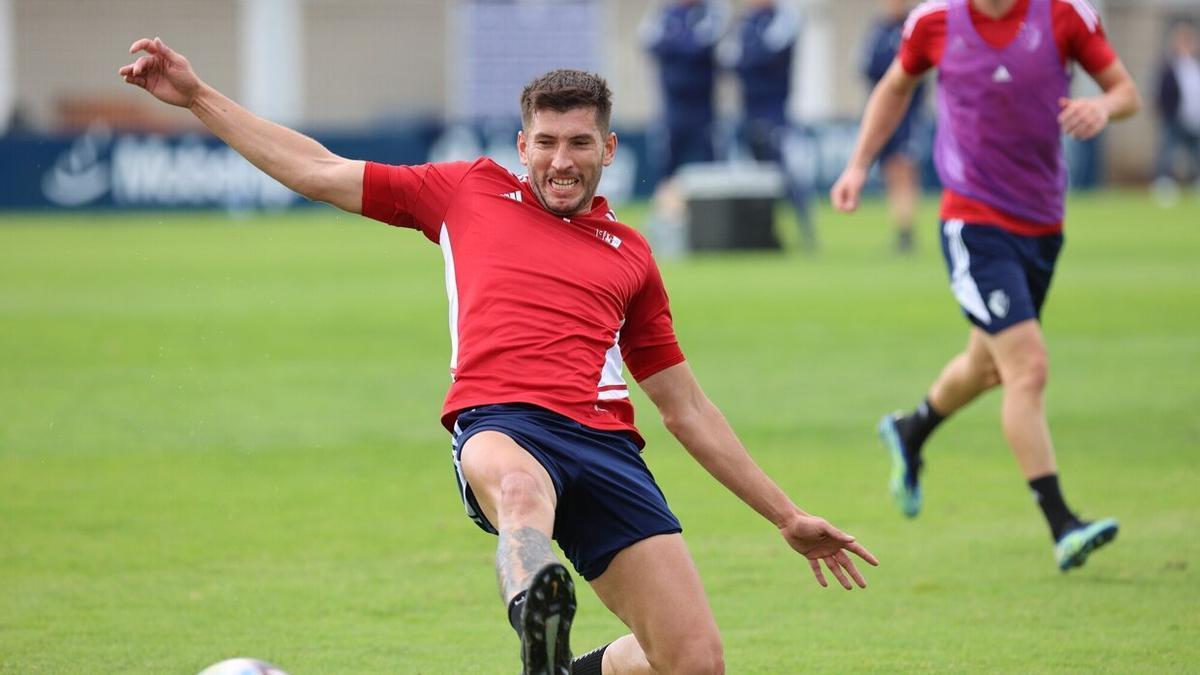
[(610, 148), (522, 145)]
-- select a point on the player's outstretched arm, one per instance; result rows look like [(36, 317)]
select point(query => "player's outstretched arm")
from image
[(704, 432), (885, 108), (289, 157), (1083, 118)]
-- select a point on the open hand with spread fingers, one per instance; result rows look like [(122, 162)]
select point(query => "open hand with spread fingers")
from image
[(820, 542), (164, 73)]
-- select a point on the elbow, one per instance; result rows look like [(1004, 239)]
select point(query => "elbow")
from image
[(313, 184), (674, 422), (1136, 103), (325, 181), (309, 188), (681, 419), (674, 419)]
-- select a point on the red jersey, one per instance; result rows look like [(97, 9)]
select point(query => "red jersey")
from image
[(1077, 33), (544, 309)]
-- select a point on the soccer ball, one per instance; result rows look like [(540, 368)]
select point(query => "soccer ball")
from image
[(242, 666)]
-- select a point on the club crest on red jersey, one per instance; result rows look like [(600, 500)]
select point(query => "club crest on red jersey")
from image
[(608, 238)]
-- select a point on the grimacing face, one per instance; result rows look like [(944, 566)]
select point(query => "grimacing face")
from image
[(565, 153)]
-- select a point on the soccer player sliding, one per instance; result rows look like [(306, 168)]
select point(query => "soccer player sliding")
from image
[(1004, 73), (550, 296)]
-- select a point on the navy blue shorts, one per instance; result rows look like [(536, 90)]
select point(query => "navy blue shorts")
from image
[(999, 278), (905, 141), (607, 499)]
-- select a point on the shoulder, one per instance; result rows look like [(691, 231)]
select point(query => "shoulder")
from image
[(1078, 14), (483, 169), (925, 17), (922, 36), (1080, 35), (487, 166)]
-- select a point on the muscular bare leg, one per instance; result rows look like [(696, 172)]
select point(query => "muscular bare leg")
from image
[(517, 496), (1020, 356), (966, 376), (1017, 358), (653, 586)]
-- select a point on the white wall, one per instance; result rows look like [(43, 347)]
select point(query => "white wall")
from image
[(271, 64), (8, 66)]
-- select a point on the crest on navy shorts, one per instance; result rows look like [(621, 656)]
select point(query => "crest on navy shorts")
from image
[(999, 303)]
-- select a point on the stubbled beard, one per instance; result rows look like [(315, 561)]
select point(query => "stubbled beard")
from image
[(585, 199)]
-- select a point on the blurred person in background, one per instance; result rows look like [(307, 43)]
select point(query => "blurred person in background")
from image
[(900, 157), (1003, 104), (760, 50), (544, 444), (1179, 109), (681, 37)]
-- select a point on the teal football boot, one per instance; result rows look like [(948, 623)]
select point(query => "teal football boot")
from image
[(1073, 548), (904, 482)]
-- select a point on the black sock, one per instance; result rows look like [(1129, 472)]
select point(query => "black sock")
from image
[(916, 426), (589, 663), (514, 612), (1049, 497)]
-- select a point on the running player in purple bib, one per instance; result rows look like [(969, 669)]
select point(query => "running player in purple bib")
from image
[(1003, 103)]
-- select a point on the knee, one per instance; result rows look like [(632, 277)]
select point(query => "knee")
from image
[(707, 659), (520, 496), (1031, 375), (699, 656)]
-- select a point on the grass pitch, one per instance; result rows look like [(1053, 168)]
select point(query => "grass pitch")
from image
[(219, 438)]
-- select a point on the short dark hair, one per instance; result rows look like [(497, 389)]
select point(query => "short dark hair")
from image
[(565, 89)]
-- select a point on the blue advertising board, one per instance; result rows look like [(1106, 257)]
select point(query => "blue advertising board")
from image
[(103, 169)]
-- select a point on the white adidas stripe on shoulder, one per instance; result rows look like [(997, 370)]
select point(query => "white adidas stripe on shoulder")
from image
[(1086, 12), (920, 12)]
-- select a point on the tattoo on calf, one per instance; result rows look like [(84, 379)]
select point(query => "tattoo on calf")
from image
[(519, 555)]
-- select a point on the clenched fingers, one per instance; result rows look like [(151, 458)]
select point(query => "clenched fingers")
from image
[(144, 43), (135, 73), (844, 197), (162, 48), (1082, 118), (142, 66)]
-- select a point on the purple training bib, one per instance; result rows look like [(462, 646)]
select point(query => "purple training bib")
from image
[(998, 139)]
